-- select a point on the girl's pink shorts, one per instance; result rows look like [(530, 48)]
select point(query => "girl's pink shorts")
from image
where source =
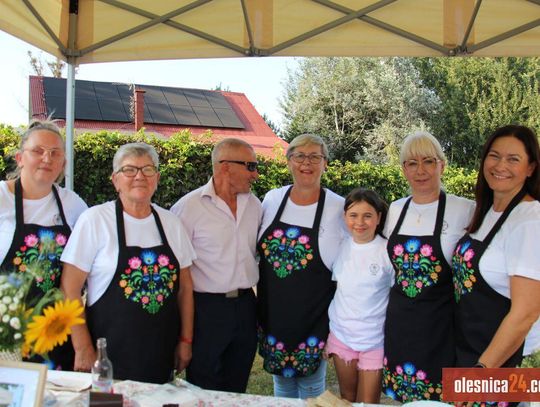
[(367, 360)]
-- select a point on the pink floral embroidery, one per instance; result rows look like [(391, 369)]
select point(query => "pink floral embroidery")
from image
[(61, 239), (303, 239), (31, 240), (469, 254), (426, 250), (277, 233), (398, 250), (163, 260), (134, 262)]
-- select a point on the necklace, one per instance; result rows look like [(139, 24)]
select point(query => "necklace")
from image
[(418, 212)]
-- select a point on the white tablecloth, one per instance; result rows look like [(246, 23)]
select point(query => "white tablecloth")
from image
[(139, 394)]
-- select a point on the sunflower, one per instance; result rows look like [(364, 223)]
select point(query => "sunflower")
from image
[(53, 327)]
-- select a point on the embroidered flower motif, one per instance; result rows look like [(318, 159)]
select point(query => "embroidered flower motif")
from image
[(287, 251), (416, 266), (303, 239), (148, 257), (462, 270), (407, 383), (134, 263), (302, 361), (47, 246), (163, 260), (292, 233), (60, 239), (149, 280), (31, 240)]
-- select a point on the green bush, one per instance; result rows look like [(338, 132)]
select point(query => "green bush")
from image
[(185, 165)]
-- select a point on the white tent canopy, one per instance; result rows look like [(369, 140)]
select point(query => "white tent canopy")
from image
[(86, 31)]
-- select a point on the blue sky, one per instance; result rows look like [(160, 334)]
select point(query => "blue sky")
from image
[(261, 79)]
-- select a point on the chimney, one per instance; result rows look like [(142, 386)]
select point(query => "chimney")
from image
[(139, 108)]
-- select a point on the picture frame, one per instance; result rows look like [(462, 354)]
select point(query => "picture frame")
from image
[(22, 383)]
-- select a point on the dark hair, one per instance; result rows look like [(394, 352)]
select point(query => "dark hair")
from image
[(373, 199), (483, 193)]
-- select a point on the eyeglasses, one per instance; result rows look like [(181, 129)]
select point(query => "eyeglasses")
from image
[(429, 163), (131, 171), (251, 166), (55, 154), (301, 157)]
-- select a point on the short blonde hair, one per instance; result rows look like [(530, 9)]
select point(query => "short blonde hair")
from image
[(421, 144), (306, 139)]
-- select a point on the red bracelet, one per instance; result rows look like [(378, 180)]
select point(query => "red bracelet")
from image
[(186, 340)]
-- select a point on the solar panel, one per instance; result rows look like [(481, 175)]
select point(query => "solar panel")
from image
[(216, 100), (175, 96), (54, 87), (185, 115), (207, 116), (56, 107), (105, 101), (161, 113), (112, 110), (196, 98), (87, 109), (229, 118)]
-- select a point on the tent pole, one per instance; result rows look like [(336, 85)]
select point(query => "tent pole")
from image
[(70, 121)]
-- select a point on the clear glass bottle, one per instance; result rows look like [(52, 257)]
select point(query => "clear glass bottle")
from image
[(102, 371)]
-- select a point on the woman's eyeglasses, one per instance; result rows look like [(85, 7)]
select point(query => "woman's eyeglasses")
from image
[(251, 166), (55, 154), (429, 163), (131, 171), (301, 157)]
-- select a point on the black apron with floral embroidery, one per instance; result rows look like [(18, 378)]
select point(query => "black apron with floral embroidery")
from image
[(479, 308), (138, 312), (33, 242), (418, 337), (293, 294)]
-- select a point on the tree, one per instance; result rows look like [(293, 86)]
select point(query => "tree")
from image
[(478, 95), (55, 66), (362, 107), (275, 128)]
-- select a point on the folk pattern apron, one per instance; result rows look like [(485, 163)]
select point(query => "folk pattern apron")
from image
[(479, 308), (45, 244), (418, 339), (138, 313), (294, 292)]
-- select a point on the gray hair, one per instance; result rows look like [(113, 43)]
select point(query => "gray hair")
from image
[(229, 143), (137, 150), (33, 126), (421, 144), (307, 139)]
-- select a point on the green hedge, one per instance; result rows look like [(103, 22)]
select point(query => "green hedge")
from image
[(185, 165)]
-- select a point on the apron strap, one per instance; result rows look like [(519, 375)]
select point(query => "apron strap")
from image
[(121, 227), (19, 214), (60, 207), (513, 203), (439, 219), (440, 214)]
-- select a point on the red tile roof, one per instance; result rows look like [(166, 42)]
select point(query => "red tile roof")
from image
[(256, 132)]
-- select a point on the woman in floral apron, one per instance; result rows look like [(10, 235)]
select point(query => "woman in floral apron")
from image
[(422, 231), (300, 236), (36, 217), (135, 258), (496, 264)]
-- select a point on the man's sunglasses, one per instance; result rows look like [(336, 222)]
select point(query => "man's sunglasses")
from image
[(250, 165)]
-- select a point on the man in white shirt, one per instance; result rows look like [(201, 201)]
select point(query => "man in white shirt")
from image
[(222, 219)]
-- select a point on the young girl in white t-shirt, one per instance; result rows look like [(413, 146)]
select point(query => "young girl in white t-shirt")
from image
[(364, 276)]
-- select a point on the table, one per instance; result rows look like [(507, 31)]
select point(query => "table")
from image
[(152, 395)]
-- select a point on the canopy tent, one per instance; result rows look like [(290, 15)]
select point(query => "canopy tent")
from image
[(86, 31)]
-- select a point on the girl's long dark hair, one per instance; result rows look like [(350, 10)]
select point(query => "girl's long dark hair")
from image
[(483, 193), (372, 198)]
